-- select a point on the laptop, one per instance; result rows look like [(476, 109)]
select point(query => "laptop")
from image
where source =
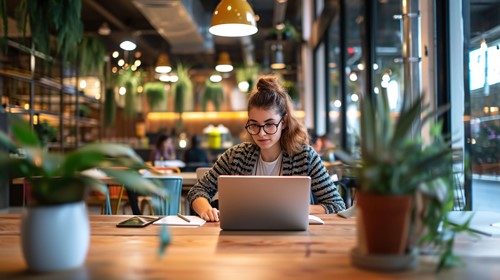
[(264, 202)]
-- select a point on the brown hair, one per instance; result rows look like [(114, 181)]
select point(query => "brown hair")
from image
[(270, 95)]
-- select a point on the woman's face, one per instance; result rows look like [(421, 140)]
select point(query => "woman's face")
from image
[(259, 116)]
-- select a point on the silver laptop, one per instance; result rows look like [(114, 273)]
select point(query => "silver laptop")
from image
[(264, 202)]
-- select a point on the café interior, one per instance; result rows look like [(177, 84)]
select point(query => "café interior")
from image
[(148, 68)]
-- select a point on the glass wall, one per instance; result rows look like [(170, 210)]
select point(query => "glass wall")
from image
[(484, 101)]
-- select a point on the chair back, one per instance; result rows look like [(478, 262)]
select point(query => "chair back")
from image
[(200, 172), (167, 204)]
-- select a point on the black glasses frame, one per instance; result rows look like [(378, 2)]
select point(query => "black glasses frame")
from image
[(263, 126)]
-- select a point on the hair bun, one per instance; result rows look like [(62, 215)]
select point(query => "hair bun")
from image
[(269, 83)]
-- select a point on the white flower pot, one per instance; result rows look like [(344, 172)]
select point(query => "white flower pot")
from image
[(55, 237)]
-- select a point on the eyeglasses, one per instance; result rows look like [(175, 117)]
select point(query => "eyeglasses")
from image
[(269, 128)]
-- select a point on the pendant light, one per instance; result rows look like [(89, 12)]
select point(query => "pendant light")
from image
[(233, 18), (278, 59), (128, 45), (224, 63), (163, 64)]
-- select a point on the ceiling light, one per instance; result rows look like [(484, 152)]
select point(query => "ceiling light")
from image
[(163, 64), (279, 60), (215, 78), (224, 63), (104, 29), (233, 18), (128, 45)]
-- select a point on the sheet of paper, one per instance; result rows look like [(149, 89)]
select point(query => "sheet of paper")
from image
[(177, 221), (315, 220)]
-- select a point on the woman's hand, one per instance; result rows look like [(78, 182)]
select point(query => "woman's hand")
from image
[(210, 215), (206, 212)]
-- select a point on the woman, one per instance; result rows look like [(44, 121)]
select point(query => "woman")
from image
[(164, 149), (278, 146)]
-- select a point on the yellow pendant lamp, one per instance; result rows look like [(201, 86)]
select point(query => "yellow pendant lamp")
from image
[(233, 18), (224, 63), (163, 64)]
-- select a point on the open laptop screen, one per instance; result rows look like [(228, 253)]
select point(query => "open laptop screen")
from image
[(264, 202)]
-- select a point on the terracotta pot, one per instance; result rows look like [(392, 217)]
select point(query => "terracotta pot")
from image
[(383, 223)]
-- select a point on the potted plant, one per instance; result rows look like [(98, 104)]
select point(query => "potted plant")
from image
[(45, 132), (405, 186), (54, 226), (213, 93), (155, 94)]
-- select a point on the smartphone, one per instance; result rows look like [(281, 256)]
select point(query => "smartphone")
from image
[(137, 221)]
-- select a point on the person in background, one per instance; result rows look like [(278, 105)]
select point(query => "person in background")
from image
[(278, 145), (195, 156), (164, 149)]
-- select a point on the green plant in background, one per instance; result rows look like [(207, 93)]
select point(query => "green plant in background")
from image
[(183, 89), (288, 32), (45, 132), (213, 93), (247, 74), (291, 89), (92, 54), (393, 162), (57, 178), (130, 80), (60, 17), (109, 107), (155, 94), (84, 110)]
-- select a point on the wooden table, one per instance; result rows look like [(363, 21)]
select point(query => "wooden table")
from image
[(322, 252)]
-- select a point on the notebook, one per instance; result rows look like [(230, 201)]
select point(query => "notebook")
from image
[(264, 202), (178, 221)]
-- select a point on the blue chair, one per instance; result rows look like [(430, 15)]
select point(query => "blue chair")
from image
[(169, 203)]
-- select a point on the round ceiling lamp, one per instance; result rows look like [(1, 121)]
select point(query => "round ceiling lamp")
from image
[(233, 18), (224, 63), (128, 45)]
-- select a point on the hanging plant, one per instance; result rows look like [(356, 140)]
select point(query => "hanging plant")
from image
[(130, 80), (247, 74), (92, 53), (213, 93), (183, 89), (60, 17), (291, 89), (109, 107), (155, 94)]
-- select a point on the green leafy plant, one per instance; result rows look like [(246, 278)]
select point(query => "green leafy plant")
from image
[(60, 17), (92, 53), (247, 74), (45, 132), (183, 89), (130, 80), (155, 94), (109, 107), (395, 162), (291, 89), (213, 93), (57, 178)]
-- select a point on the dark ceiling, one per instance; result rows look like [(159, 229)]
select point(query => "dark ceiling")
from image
[(126, 20)]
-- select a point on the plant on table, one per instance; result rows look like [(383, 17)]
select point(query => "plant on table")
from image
[(58, 186), (397, 164)]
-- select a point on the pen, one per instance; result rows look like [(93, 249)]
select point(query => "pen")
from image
[(183, 217)]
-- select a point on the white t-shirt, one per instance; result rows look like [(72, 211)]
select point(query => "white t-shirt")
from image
[(272, 168)]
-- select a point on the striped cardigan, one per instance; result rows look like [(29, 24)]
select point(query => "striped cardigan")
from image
[(241, 160)]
